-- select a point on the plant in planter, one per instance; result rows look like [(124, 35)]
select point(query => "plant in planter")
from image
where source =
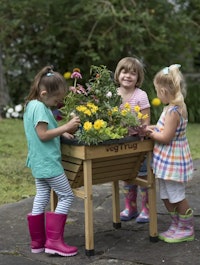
[(98, 106)]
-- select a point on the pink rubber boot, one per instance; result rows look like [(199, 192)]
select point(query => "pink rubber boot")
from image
[(37, 232), (171, 230), (130, 210), (185, 229), (144, 214), (55, 224)]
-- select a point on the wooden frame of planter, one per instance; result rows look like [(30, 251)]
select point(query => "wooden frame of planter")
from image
[(109, 162)]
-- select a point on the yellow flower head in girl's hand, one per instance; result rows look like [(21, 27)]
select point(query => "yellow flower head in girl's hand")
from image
[(137, 108), (155, 102), (87, 126)]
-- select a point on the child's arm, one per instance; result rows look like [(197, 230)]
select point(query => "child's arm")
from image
[(45, 135), (172, 120)]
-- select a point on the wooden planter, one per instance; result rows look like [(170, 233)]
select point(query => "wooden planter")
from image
[(90, 165)]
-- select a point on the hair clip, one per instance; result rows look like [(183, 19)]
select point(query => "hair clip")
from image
[(165, 71), (50, 74), (175, 65)]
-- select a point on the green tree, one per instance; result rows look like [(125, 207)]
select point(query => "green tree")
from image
[(72, 34)]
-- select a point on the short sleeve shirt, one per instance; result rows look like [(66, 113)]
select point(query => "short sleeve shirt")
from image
[(139, 98), (44, 157)]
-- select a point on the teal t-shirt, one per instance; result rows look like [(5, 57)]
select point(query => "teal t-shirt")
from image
[(44, 157)]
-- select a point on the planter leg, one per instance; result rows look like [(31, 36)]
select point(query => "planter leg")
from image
[(89, 231), (116, 207)]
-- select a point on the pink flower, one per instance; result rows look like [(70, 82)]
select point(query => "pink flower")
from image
[(76, 75), (81, 89), (73, 89)]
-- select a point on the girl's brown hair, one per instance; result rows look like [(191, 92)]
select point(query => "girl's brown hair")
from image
[(47, 80), (130, 64)]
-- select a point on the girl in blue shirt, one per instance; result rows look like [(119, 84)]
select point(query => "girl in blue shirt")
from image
[(44, 158)]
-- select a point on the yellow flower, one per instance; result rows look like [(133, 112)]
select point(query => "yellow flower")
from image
[(87, 126), (124, 112), (137, 108), (67, 75), (92, 107), (98, 124), (139, 115), (115, 109), (87, 112), (81, 108), (155, 102), (127, 106), (145, 116)]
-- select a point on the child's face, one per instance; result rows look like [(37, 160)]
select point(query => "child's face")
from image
[(54, 99), (128, 79)]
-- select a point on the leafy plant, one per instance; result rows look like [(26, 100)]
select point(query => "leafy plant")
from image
[(99, 108)]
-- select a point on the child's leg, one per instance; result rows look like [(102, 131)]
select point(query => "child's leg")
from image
[(182, 227), (64, 193), (185, 229), (36, 219), (182, 207), (42, 196), (55, 221)]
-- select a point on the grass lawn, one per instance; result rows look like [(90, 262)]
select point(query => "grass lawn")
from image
[(16, 180)]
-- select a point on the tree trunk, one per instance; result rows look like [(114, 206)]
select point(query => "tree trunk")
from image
[(4, 93)]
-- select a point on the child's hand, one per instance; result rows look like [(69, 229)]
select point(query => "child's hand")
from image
[(149, 130), (73, 125), (68, 135)]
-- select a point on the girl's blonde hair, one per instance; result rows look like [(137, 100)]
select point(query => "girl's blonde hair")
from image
[(130, 64), (48, 80), (173, 81)]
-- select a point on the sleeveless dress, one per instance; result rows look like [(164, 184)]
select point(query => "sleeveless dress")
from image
[(173, 161)]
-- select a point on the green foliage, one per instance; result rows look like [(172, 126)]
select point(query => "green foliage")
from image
[(70, 34), (193, 100)]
